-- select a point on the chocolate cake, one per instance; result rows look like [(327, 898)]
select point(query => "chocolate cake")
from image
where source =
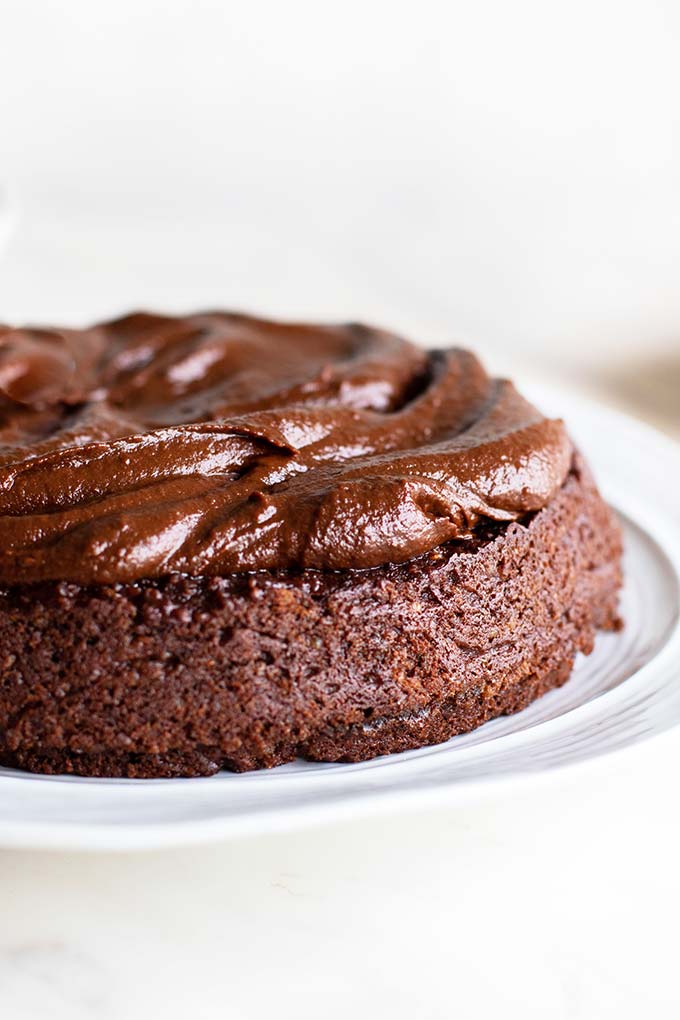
[(227, 543)]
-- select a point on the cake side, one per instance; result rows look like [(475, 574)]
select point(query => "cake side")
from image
[(187, 675)]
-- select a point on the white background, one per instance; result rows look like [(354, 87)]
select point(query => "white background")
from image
[(505, 173)]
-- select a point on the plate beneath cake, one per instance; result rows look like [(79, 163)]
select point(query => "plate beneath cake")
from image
[(626, 691)]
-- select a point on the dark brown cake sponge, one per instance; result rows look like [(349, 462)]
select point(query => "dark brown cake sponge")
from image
[(184, 676)]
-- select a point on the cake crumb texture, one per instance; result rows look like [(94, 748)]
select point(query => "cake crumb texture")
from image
[(183, 676)]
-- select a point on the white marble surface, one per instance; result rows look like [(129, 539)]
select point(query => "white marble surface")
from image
[(502, 173), (559, 902)]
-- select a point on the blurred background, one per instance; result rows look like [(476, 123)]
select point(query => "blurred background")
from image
[(502, 174)]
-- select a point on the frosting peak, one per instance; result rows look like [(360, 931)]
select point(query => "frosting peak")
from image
[(221, 443)]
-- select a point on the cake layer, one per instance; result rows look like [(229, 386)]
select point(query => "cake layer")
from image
[(185, 675)]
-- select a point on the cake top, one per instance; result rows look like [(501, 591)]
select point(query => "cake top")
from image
[(219, 443)]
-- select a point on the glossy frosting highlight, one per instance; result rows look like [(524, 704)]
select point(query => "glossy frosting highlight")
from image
[(220, 443)]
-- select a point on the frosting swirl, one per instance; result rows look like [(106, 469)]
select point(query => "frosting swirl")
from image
[(220, 443)]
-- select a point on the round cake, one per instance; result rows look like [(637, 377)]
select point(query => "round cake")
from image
[(229, 543)]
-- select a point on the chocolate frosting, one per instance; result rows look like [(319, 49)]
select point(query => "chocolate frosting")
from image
[(220, 443)]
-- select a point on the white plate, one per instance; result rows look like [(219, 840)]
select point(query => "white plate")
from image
[(626, 691)]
